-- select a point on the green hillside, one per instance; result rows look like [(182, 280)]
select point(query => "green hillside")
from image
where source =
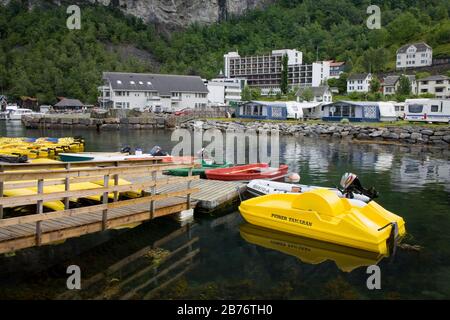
[(40, 57)]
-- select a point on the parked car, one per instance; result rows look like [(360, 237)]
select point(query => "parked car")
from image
[(184, 112)]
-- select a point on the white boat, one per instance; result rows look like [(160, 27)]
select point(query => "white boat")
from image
[(101, 156), (14, 113), (353, 189)]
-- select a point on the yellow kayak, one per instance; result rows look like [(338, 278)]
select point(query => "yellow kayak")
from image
[(122, 182), (309, 250), (320, 214), (53, 205)]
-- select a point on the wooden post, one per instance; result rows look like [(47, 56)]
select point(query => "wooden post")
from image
[(40, 207), (105, 201), (116, 183), (153, 192), (1, 194), (67, 188), (188, 197)]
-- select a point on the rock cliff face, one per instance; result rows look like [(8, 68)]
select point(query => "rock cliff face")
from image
[(174, 14)]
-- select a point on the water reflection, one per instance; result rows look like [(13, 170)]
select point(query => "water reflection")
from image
[(414, 174), (143, 273), (309, 251)]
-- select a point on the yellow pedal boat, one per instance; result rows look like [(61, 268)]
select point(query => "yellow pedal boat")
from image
[(320, 214)]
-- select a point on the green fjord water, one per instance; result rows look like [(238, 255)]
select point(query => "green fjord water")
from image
[(223, 258)]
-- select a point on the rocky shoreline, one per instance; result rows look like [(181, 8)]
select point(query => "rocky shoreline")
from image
[(436, 136)]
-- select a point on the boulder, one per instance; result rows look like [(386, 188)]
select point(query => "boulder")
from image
[(416, 135), (404, 135), (376, 134), (427, 132)]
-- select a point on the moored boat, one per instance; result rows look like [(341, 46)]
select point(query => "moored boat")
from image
[(351, 189), (248, 172), (320, 214), (101, 156), (184, 172)]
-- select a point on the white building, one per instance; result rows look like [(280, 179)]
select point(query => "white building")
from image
[(319, 94), (437, 85), (264, 71), (224, 91), (391, 83), (359, 82), (414, 55), (156, 92)]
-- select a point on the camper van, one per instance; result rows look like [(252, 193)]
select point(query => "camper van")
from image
[(427, 110), (294, 110)]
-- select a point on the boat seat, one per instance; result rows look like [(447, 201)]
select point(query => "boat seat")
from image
[(322, 201)]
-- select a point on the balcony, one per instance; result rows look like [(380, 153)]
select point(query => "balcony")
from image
[(153, 98)]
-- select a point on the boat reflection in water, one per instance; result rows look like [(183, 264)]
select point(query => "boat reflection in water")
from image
[(309, 250)]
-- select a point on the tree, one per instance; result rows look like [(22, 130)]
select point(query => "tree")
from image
[(340, 83), (307, 95), (404, 86), (375, 85), (256, 93), (284, 75), (246, 93)]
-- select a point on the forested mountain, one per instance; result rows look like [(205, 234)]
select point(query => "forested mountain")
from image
[(40, 57)]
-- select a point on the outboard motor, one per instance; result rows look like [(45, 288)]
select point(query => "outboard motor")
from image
[(125, 150), (157, 152), (351, 184)]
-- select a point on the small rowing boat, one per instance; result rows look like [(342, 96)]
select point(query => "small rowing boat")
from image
[(248, 172), (184, 172), (351, 188)]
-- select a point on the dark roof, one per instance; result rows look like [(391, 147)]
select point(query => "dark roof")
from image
[(69, 103), (317, 91), (435, 78), (164, 84), (392, 80), (421, 46), (358, 76)]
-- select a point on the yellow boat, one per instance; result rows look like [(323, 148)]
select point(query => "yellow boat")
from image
[(320, 214), (309, 250)]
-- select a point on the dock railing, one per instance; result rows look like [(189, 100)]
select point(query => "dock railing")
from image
[(39, 176)]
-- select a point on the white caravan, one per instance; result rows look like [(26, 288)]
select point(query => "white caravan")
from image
[(427, 110)]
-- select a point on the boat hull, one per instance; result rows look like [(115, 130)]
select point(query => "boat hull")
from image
[(184, 172), (322, 215), (248, 172), (264, 187)]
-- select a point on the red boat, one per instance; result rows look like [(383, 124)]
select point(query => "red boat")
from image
[(248, 172)]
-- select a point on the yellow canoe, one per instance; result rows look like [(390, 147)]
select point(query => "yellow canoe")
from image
[(309, 250), (320, 214)]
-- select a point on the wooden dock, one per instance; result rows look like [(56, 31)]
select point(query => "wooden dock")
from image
[(212, 194), (42, 228)]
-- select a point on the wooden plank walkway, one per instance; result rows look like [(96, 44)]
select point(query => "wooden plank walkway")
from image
[(213, 194), (41, 228), (24, 235)]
